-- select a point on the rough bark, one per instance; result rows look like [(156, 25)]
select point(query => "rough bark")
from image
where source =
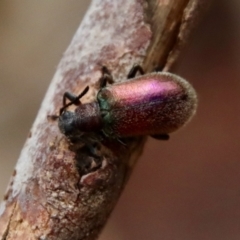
[(47, 197)]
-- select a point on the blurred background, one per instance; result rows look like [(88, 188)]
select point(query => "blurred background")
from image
[(184, 189)]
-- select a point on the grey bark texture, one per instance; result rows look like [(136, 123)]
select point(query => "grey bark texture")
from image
[(47, 198)]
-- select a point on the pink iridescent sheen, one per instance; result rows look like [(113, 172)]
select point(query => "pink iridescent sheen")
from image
[(149, 105)]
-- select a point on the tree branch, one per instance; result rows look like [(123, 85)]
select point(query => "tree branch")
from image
[(47, 197)]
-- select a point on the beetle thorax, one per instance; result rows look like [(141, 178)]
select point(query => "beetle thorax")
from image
[(88, 117)]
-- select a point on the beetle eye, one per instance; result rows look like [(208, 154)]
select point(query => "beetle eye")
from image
[(65, 116)]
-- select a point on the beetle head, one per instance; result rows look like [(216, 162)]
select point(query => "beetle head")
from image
[(66, 123)]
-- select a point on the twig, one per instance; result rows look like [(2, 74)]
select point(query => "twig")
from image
[(48, 198)]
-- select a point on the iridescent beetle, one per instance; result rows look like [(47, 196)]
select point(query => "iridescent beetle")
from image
[(153, 104)]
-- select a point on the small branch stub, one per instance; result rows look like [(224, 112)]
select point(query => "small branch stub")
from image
[(50, 196)]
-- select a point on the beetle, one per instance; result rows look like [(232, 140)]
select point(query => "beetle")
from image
[(153, 104)]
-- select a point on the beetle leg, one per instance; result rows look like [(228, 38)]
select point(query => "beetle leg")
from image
[(94, 152), (106, 77), (121, 141), (104, 113), (93, 149), (160, 136), (73, 99), (107, 135), (134, 70), (105, 70), (158, 69), (85, 164)]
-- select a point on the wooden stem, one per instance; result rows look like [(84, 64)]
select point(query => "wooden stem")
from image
[(47, 198)]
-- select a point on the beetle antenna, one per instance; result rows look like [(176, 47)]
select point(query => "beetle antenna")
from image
[(74, 100)]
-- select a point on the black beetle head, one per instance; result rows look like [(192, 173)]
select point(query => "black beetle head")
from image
[(66, 123)]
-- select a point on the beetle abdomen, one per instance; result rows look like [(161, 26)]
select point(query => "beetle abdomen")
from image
[(156, 103)]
